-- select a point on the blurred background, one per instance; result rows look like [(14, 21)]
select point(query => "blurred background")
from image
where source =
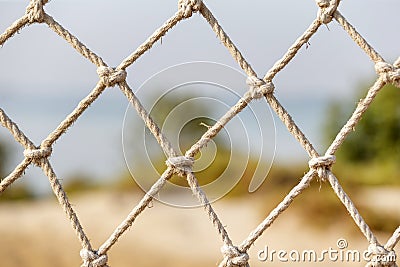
[(43, 79)]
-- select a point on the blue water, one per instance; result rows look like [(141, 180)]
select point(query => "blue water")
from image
[(93, 145)]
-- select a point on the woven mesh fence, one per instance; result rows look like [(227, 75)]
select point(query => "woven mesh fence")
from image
[(382, 254)]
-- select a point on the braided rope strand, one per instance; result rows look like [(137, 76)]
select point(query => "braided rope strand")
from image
[(13, 29), (282, 206), (221, 34), (73, 41), (355, 117), (129, 220), (393, 240), (151, 40), (357, 38), (74, 115), (65, 204), (15, 174), (320, 166), (358, 219)]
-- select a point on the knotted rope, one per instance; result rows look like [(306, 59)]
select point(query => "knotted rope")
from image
[(326, 10), (110, 76), (234, 257), (188, 7), (380, 257), (35, 11), (92, 259), (37, 154), (322, 165), (258, 87), (389, 73), (181, 164)]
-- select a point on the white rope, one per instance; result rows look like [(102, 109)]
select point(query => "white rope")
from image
[(322, 165), (35, 12), (188, 7), (183, 165), (380, 257), (234, 257), (92, 259), (389, 73), (327, 8), (110, 76), (258, 87)]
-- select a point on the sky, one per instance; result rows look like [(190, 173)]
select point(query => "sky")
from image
[(42, 78)]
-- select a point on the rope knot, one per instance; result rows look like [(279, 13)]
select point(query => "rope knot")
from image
[(35, 11), (258, 87), (38, 153), (380, 257), (110, 76), (322, 164), (326, 10), (188, 7), (92, 259), (234, 257), (181, 164), (390, 74)]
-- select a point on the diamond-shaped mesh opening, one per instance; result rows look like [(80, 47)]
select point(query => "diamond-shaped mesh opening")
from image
[(320, 166), (98, 129)]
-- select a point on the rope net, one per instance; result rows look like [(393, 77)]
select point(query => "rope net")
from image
[(319, 165)]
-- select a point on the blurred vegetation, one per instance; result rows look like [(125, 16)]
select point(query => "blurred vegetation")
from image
[(79, 182), (16, 191), (188, 129), (368, 157), (377, 135), (188, 135), (371, 154)]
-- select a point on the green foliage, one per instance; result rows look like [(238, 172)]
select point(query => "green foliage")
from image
[(188, 125), (371, 153), (279, 179), (17, 192), (378, 220), (79, 182), (377, 135)]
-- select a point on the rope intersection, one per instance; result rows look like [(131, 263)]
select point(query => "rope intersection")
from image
[(259, 88)]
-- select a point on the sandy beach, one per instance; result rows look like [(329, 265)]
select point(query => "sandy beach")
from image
[(37, 233)]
